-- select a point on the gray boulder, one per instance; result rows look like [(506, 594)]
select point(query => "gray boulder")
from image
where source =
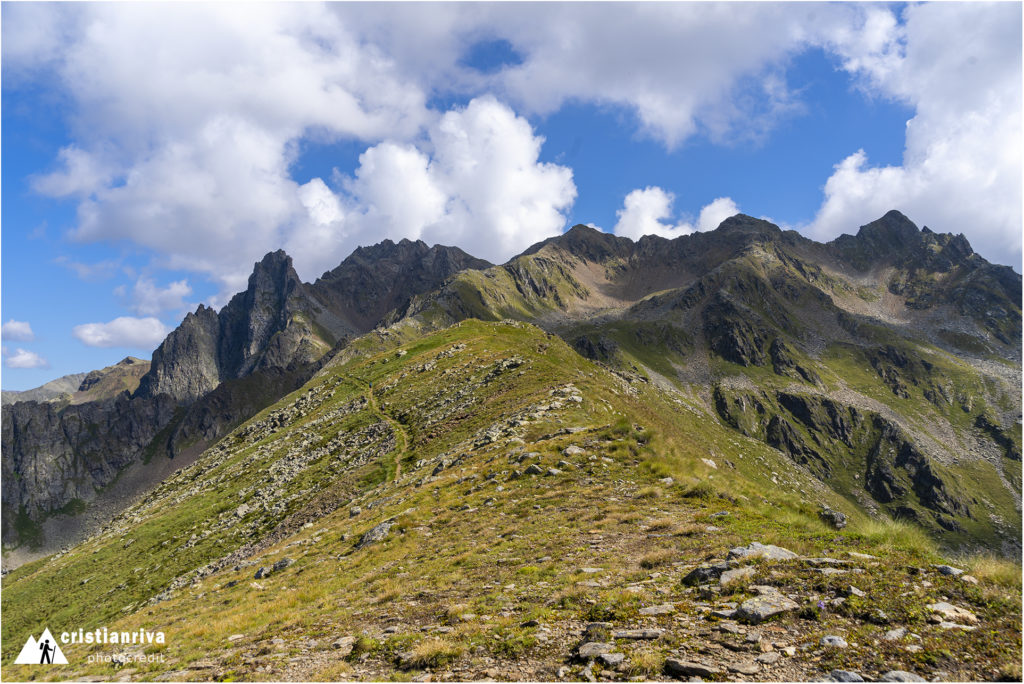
[(759, 550), (376, 534)]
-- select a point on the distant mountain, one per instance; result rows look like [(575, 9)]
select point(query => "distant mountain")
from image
[(872, 344), (54, 389), (280, 322), (80, 388)]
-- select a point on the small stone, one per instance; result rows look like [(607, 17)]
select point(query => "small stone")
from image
[(236, 637), (747, 668), (763, 607), (611, 659), (375, 534), (660, 609), (953, 625), (948, 570), (790, 651), (282, 564), (900, 676), (831, 571), (637, 634), (844, 676), (261, 573), (895, 634), (344, 645), (759, 550), (530, 623), (709, 463), (832, 641), (770, 658), (835, 519), (533, 469), (862, 556), (685, 668), (854, 591), (592, 649), (970, 579), (730, 576), (953, 613), (573, 450), (705, 572), (354, 511), (753, 638), (590, 571)]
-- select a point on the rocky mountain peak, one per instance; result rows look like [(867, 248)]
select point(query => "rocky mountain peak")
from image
[(748, 225), (894, 230), (588, 243)]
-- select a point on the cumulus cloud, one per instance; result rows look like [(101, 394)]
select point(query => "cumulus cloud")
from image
[(475, 182), (23, 358), (147, 298), (958, 64), (187, 118), (125, 331), (646, 211), (17, 330), (681, 68)]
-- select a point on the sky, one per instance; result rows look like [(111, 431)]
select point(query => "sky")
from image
[(151, 153)]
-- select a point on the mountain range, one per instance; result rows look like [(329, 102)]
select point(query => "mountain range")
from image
[(797, 386)]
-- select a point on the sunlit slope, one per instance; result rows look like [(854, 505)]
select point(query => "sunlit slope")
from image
[(528, 491)]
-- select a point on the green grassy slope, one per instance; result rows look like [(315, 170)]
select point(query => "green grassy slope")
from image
[(488, 570)]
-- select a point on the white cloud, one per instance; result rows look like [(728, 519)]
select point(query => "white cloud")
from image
[(23, 358), (476, 182), (712, 215), (17, 330), (958, 64), (148, 299), (645, 212), (125, 331), (187, 118)]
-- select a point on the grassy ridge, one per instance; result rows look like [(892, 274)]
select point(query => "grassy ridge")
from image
[(476, 537)]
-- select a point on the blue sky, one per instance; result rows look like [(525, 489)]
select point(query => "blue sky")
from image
[(151, 153)]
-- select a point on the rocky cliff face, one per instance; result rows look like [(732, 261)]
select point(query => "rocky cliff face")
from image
[(55, 456), (280, 322), (267, 325), (213, 371)]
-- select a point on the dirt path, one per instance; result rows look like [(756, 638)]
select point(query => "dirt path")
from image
[(403, 438)]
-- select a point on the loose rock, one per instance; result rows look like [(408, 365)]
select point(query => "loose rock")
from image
[(376, 534), (900, 676), (761, 608), (759, 550), (592, 649), (832, 641), (660, 609), (953, 613), (685, 668)]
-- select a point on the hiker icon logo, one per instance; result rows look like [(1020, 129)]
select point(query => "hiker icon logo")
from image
[(46, 651)]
